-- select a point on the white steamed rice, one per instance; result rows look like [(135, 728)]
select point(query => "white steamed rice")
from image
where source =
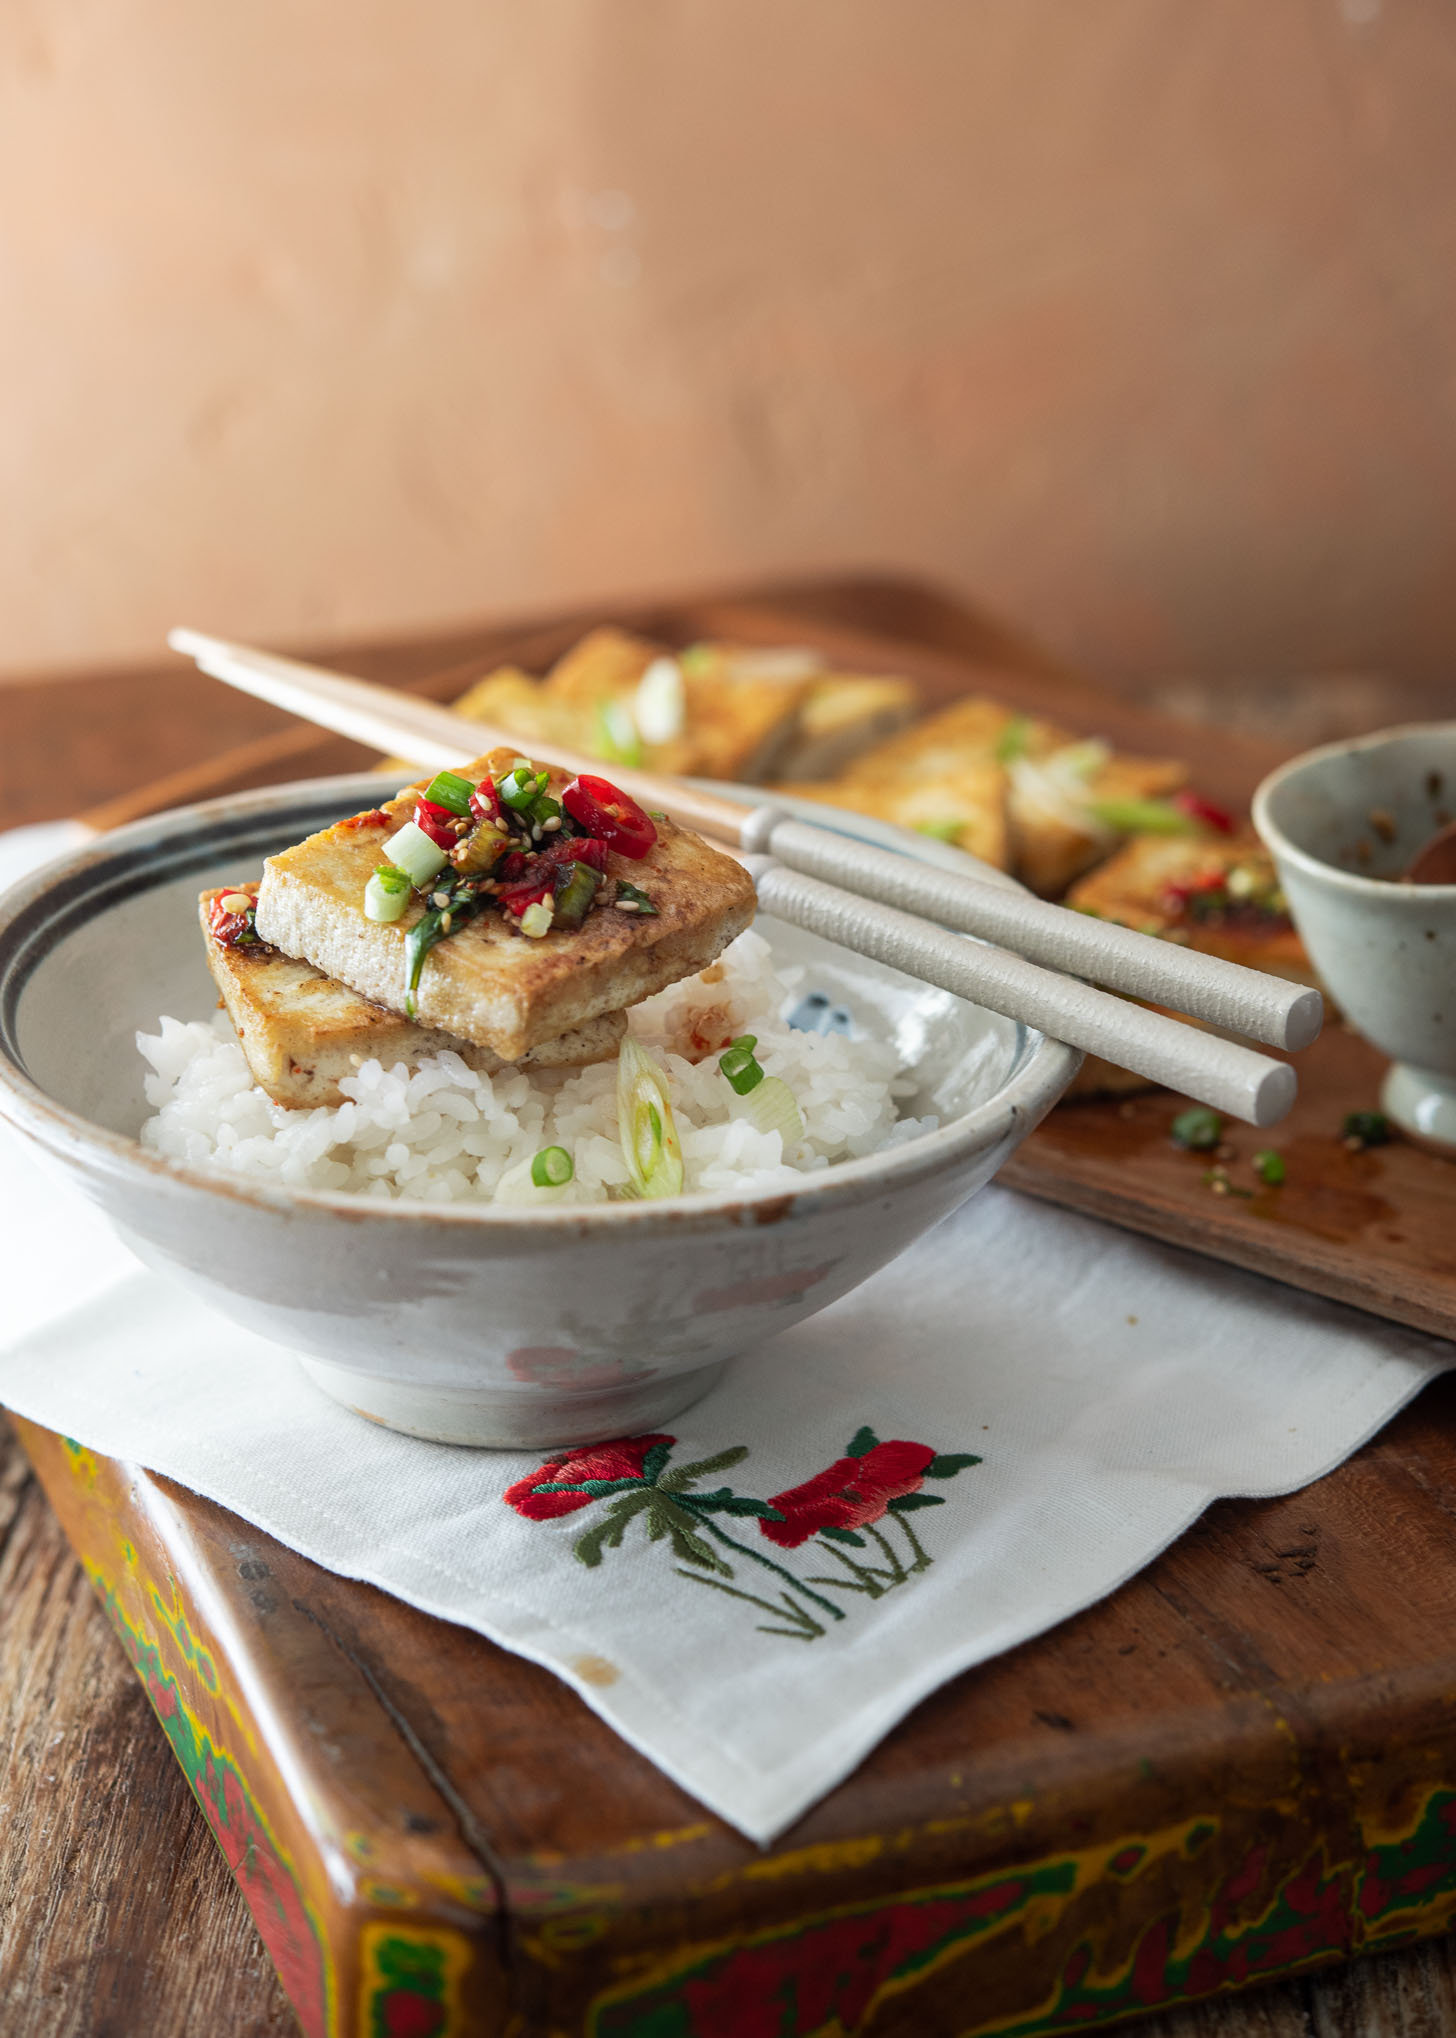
[(444, 1134)]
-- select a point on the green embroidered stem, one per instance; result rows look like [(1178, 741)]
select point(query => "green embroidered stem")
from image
[(805, 1628), (923, 1558), (898, 1571), (870, 1580), (744, 1550)]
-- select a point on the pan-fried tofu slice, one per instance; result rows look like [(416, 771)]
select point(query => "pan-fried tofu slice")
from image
[(845, 713), (1219, 894), (487, 982), (301, 1033), (511, 700), (941, 777), (965, 806), (710, 718), (1064, 800)]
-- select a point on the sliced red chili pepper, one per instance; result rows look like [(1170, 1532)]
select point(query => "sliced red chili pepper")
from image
[(435, 822), (528, 892), (605, 811), (375, 818), (576, 849), (1200, 809)]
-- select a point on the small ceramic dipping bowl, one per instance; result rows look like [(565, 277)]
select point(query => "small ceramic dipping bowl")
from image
[(1342, 823), (474, 1324)]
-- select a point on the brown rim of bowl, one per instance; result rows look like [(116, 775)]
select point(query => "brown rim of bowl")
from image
[(1041, 1071), (1275, 840)]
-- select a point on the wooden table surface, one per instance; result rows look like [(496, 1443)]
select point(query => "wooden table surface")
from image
[(118, 1918)]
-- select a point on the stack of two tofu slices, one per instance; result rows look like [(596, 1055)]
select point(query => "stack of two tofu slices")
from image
[(315, 988)]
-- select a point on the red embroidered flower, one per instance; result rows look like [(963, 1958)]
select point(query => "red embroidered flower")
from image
[(852, 1492), (577, 1478)]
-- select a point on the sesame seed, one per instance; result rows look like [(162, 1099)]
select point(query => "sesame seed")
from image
[(438, 899), (536, 832), (445, 924), (552, 825), (626, 905), (236, 902), (357, 1060)]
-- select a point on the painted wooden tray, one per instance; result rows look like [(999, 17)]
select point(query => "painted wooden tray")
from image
[(1241, 1766)]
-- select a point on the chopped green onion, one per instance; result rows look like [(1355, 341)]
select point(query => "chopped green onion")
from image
[(739, 1067), (449, 789), (941, 831), (1199, 1129), (638, 898), (617, 737), (696, 661), (536, 920), (654, 815), (1366, 1128), (543, 809), (482, 849), (1012, 741), (771, 1106), (552, 1168), (1269, 1167), (411, 850), (386, 895), (1080, 760), (578, 887), (522, 786), (1143, 817), (645, 1123), (659, 706), (461, 905)]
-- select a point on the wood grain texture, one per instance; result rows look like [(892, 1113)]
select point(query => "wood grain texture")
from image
[(117, 1914)]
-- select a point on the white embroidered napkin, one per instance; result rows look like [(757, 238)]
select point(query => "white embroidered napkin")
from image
[(927, 1473)]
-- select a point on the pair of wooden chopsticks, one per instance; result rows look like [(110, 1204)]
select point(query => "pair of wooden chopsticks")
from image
[(1028, 962)]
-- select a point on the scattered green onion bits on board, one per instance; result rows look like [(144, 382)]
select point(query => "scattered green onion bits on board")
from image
[(1199, 1130), (1365, 1128), (1269, 1167), (552, 1168)]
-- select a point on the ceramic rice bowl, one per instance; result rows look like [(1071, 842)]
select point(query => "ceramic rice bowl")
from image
[(477, 1324)]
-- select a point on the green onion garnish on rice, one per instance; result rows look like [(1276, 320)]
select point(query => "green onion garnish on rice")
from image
[(738, 1065), (645, 1124), (552, 1168), (771, 1106)]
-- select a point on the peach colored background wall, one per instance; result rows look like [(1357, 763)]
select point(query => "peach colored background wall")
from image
[(1135, 317)]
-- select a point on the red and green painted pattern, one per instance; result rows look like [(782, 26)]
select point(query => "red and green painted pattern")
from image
[(410, 1983), (262, 1870), (825, 1976)]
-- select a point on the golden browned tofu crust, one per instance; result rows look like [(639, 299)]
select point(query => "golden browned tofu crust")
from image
[(1218, 894), (965, 807), (487, 982), (301, 1033)]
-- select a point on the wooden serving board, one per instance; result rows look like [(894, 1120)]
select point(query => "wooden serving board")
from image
[(1377, 1229), (1242, 1765)]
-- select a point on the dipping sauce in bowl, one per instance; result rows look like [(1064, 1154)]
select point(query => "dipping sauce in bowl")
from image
[(1344, 824)]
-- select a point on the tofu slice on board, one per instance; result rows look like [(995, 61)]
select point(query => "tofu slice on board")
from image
[(487, 982), (301, 1033)]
